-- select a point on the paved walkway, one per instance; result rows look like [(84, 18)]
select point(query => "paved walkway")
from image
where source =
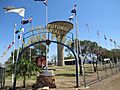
[(111, 83)]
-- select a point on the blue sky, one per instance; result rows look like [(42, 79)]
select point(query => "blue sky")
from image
[(102, 15)]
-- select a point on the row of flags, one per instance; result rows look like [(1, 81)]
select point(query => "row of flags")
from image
[(21, 12), (104, 36), (111, 40), (9, 46), (73, 12)]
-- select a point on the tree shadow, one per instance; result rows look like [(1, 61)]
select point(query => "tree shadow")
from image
[(66, 75)]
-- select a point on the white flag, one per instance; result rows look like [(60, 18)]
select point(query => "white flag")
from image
[(20, 11)]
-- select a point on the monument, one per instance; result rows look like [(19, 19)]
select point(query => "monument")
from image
[(60, 29)]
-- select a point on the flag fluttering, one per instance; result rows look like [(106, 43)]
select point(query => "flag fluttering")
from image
[(19, 30), (74, 10), (98, 33), (26, 21), (105, 37), (20, 11), (114, 42), (71, 17), (111, 40), (88, 26), (44, 1)]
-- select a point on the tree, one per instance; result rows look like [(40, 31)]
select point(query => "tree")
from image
[(26, 67)]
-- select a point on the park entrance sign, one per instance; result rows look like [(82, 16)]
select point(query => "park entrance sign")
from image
[(59, 27)]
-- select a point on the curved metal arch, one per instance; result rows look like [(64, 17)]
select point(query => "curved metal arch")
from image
[(43, 42), (76, 59)]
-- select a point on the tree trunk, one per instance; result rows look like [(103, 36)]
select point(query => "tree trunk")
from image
[(24, 80), (60, 54)]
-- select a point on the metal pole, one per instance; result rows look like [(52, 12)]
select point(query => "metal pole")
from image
[(15, 65), (46, 28), (13, 75), (106, 50), (116, 57), (77, 61), (99, 54), (112, 55)]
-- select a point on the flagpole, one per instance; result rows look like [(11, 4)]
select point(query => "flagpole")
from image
[(98, 50), (106, 50), (88, 31), (112, 55), (13, 75), (116, 57), (15, 67), (77, 61), (48, 33)]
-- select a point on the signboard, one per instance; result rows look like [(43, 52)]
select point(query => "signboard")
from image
[(59, 27)]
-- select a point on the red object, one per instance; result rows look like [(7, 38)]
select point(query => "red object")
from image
[(41, 61)]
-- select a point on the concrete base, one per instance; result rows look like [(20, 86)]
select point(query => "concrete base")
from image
[(46, 79)]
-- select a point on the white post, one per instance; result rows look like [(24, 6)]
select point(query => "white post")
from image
[(13, 53), (46, 28)]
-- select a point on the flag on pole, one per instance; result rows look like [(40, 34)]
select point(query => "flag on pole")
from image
[(98, 33), (44, 1), (20, 11), (74, 10), (105, 37), (19, 37), (71, 17), (26, 21), (19, 30), (114, 42), (13, 42), (88, 27), (111, 40)]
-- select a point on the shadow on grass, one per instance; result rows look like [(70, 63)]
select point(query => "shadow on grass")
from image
[(66, 75)]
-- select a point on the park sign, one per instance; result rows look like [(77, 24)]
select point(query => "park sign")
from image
[(59, 27)]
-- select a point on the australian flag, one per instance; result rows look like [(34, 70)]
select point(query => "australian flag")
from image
[(26, 21)]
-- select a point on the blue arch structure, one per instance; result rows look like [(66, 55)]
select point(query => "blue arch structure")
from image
[(75, 56)]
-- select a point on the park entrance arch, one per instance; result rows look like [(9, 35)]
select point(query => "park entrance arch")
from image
[(56, 32)]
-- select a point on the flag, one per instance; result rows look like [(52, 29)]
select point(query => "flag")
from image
[(74, 10), (111, 40), (98, 33), (114, 42), (26, 21), (71, 17), (88, 27), (13, 42), (9, 46), (44, 1), (105, 37), (18, 36), (20, 11), (19, 30)]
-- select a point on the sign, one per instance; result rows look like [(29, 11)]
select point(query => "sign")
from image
[(59, 27)]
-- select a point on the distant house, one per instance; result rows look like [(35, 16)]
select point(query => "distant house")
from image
[(69, 62), (72, 61)]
